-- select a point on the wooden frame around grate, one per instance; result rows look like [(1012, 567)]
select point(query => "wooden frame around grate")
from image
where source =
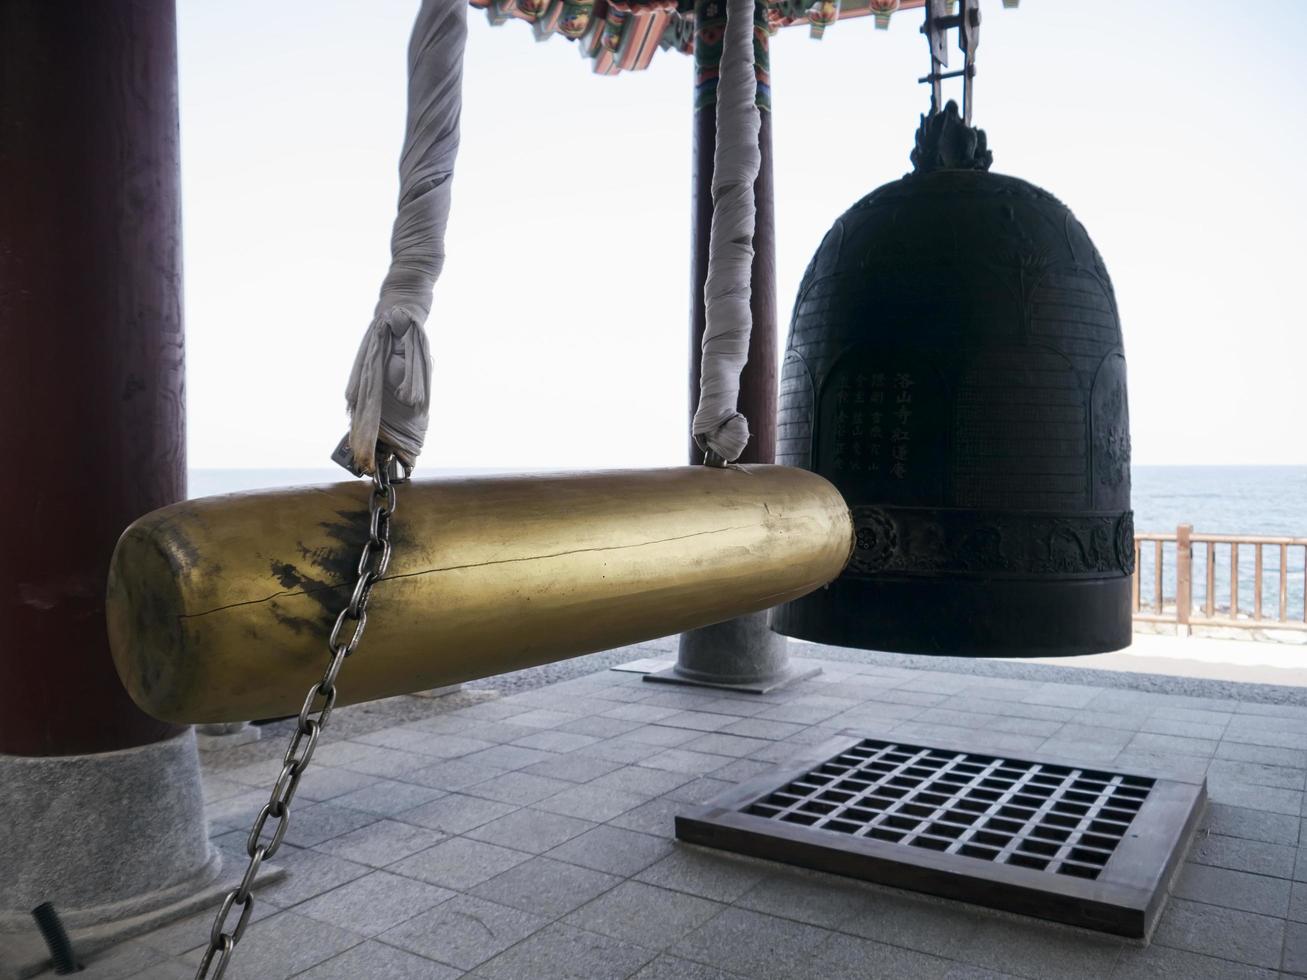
[(1054, 838)]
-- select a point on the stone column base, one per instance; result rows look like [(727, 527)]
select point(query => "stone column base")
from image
[(738, 655), (117, 841)]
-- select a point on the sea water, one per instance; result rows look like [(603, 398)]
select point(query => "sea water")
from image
[(1237, 500)]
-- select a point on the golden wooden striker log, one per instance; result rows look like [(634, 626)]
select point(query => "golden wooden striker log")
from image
[(219, 608)]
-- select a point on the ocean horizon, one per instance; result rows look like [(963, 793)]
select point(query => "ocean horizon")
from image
[(1236, 500), (1214, 499)]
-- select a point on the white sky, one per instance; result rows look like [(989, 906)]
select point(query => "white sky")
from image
[(1175, 129)]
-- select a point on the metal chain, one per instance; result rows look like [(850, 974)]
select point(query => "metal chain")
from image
[(343, 640)]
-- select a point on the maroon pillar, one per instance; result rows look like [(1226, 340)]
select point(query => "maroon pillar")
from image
[(91, 378), (758, 380)]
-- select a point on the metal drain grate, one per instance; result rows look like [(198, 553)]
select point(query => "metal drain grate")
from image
[(1074, 843), (1029, 814)]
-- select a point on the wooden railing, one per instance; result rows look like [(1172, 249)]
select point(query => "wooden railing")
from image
[(1274, 596)]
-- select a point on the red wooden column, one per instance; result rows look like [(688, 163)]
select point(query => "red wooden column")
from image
[(106, 801), (740, 654), (91, 381)]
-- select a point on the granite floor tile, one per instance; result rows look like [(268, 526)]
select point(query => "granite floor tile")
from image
[(674, 968), (377, 961), (374, 903), (1030, 948), (620, 750), (1266, 737), (1188, 729), (394, 737), (612, 850), (387, 797), (761, 728), (638, 711), (1269, 798), (644, 915), (1298, 902), (1222, 933), (699, 721), (1097, 735), (378, 761), (1295, 758), (656, 817), (464, 932), (1063, 695), (452, 776), (508, 757), (742, 770), (381, 843), (531, 830), (1237, 854), (499, 732), (308, 873), (561, 952), (456, 813), (439, 745), (546, 887), (720, 743), (591, 802), (573, 768), (661, 735), (808, 896), (753, 944), (1238, 821), (599, 726), (927, 925), (853, 958), (545, 718), (642, 781), (1183, 767), (175, 969), (691, 763), (459, 863), (519, 788), (1295, 949), (714, 875), (1165, 963), (1233, 889), (700, 790), (552, 740), (283, 945)]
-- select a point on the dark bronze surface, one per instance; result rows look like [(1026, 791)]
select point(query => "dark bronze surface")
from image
[(1050, 838), (955, 368)]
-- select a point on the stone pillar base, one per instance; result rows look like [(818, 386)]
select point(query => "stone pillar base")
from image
[(117, 841), (738, 655)]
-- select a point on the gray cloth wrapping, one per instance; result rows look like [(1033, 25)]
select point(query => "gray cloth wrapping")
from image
[(718, 425), (389, 391)]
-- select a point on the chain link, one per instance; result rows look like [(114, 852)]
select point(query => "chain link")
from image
[(313, 717)]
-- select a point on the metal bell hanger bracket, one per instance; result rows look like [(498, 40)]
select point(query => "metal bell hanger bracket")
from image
[(938, 23)]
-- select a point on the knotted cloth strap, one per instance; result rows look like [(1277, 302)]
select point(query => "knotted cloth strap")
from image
[(389, 391), (718, 424)]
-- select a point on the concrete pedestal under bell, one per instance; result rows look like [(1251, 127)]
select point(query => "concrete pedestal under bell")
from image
[(740, 654), (117, 841)]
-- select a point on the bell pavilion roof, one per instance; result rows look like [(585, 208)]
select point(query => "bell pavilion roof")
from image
[(624, 35)]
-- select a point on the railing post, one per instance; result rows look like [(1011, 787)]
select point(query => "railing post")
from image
[(1184, 554)]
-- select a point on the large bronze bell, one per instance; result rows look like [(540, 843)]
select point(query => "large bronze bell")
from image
[(955, 368)]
